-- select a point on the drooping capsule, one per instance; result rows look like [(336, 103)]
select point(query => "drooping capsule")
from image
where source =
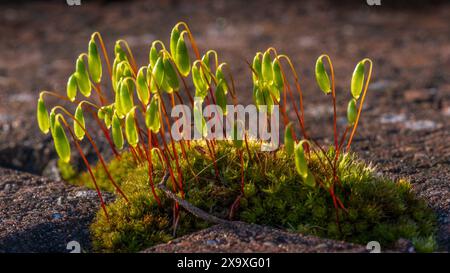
[(79, 127), (152, 115), (275, 92), (118, 51), (82, 77), (131, 132), (266, 67), (259, 97), (352, 112), (357, 80), (174, 37), (170, 74), (42, 116), (153, 55), (118, 103), (61, 142), (72, 87), (158, 72), (322, 77), (205, 67), (142, 87), (94, 62), (300, 160), (277, 75), (309, 180), (199, 120), (108, 116), (52, 120), (126, 100), (221, 96), (257, 70), (117, 134), (182, 57), (289, 143), (201, 88)]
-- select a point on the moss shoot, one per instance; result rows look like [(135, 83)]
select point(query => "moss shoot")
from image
[(376, 208)]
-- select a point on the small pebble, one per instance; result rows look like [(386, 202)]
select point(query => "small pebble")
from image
[(419, 125), (211, 242), (392, 118), (56, 216)]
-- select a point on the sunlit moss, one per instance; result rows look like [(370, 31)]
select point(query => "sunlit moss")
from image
[(376, 207)]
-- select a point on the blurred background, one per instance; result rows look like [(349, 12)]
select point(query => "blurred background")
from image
[(406, 112)]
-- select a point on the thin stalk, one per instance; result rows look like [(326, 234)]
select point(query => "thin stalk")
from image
[(100, 157), (237, 202), (130, 54), (180, 175), (88, 166), (150, 168), (299, 91), (333, 95)]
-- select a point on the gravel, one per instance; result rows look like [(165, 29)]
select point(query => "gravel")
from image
[(41, 215)]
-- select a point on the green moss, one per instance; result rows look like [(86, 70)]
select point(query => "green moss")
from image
[(377, 208)]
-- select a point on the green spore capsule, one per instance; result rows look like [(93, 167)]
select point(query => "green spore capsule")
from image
[(357, 80), (72, 87), (142, 87), (117, 134), (130, 128), (322, 77), (108, 117), (257, 70), (126, 101), (200, 85), (42, 116), (275, 92), (82, 77), (221, 96), (289, 143), (221, 77), (277, 75), (182, 57), (174, 37), (52, 121), (118, 51), (301, 164), (158, 72), (94, 62), (266, 68), (78, 127), (152, 115), (206, 67), (309, 180), (352, 112), (171, 77), (153, 56), (199, 120), (62, 145), (101, 112), (118, 103)]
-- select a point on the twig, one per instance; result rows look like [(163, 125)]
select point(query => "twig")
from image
[(189, 207)]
